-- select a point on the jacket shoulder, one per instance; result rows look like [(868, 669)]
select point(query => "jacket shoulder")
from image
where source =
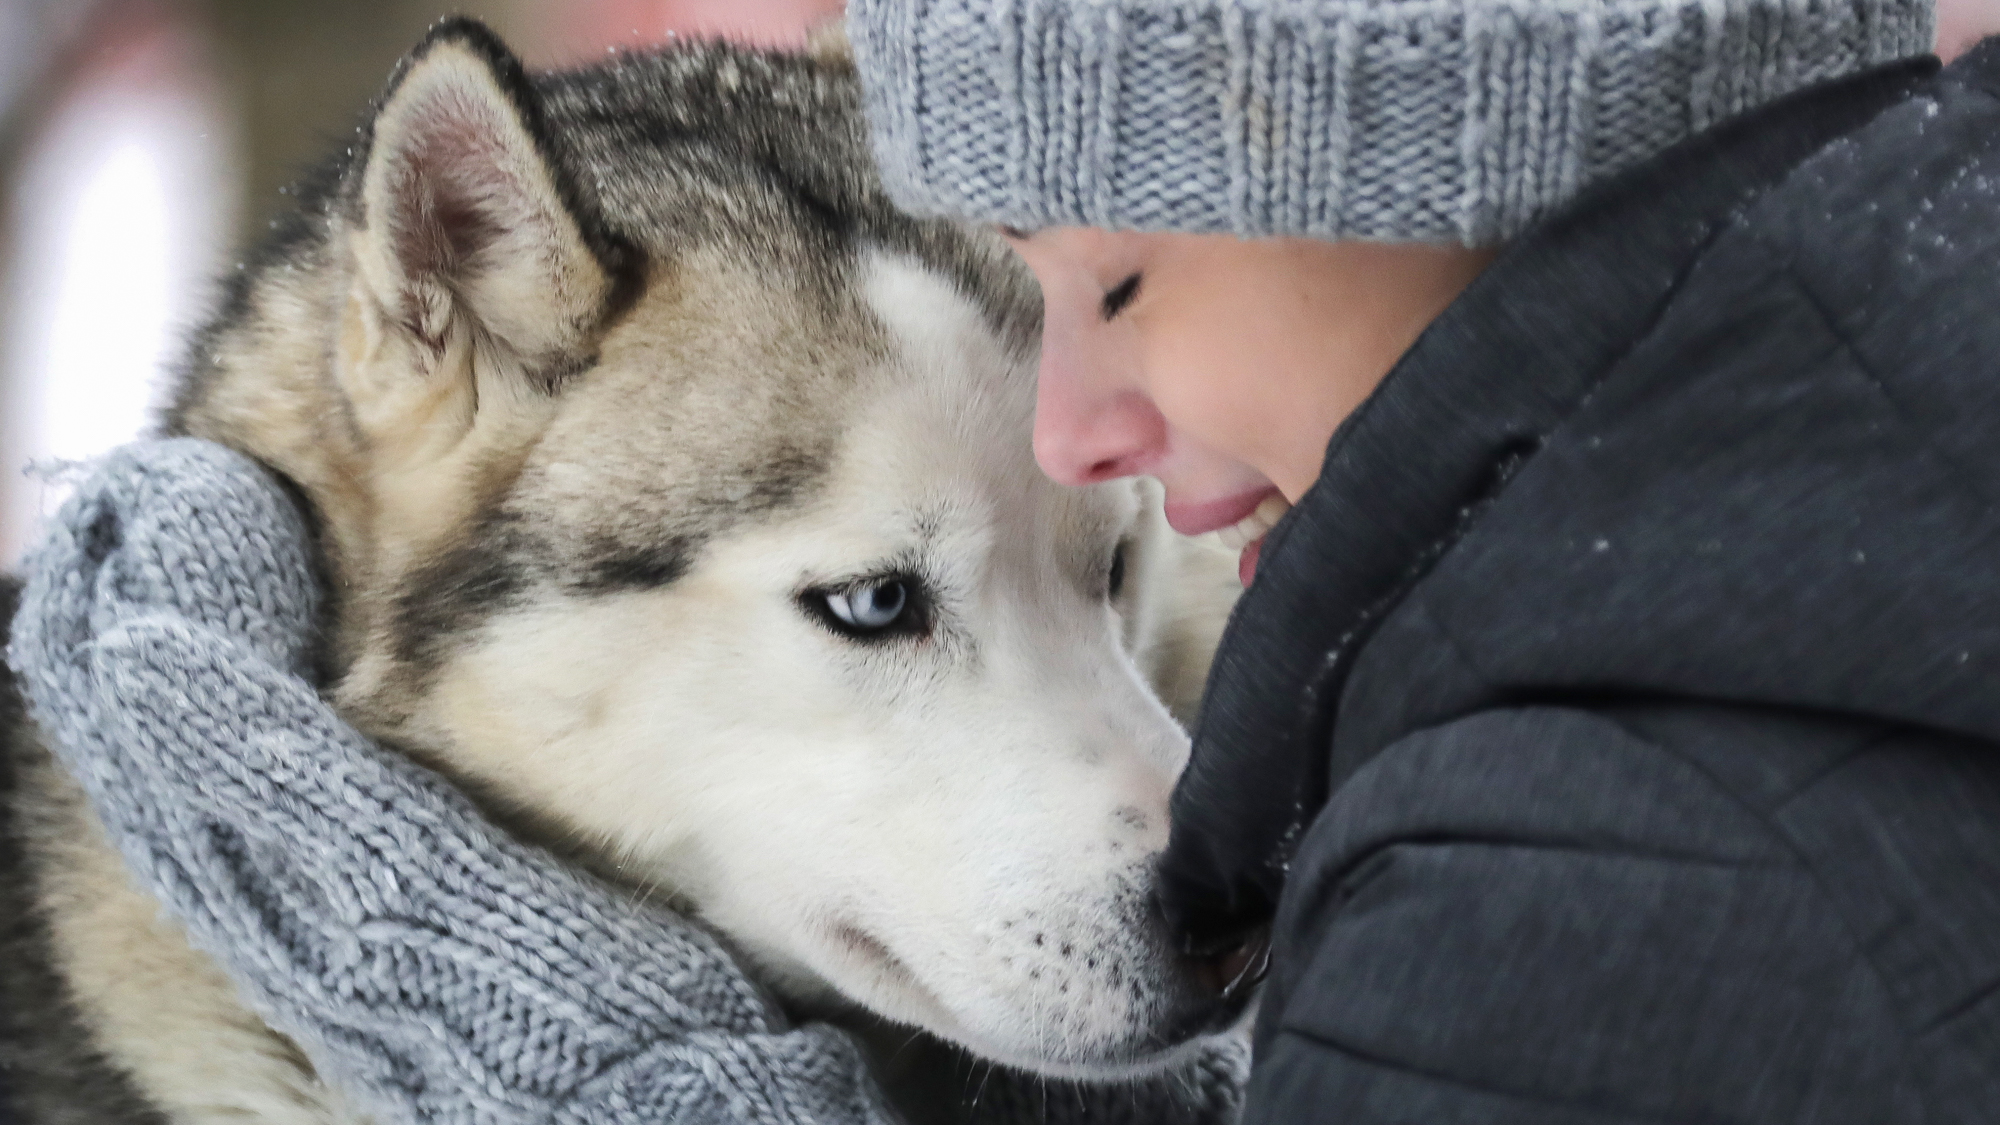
[(1893, 234)]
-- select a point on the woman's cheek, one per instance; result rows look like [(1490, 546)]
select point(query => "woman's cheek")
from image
[(1199, 392)]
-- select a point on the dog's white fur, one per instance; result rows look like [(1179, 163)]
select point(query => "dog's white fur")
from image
[(927, 828)]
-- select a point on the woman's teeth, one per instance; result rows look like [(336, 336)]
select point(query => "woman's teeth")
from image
[(1252, 527)]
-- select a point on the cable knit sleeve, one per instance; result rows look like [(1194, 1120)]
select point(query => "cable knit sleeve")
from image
[(434, 967)]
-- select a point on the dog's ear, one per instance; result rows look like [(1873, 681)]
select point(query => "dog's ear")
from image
[(468, 224)]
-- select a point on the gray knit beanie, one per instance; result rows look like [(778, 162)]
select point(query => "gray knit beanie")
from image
[(1404, 120)]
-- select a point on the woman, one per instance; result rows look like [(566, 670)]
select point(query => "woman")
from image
[(1608, 733)]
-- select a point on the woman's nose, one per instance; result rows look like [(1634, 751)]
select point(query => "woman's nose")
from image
[(1087, 431)]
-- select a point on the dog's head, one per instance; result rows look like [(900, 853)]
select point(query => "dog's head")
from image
[(678, 497)]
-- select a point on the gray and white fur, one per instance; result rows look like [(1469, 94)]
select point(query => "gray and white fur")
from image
[(617, 398)]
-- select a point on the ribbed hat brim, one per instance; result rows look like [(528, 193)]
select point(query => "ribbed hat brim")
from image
[(1425, 120)]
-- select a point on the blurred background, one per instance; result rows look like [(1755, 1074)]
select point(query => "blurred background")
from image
[(143, 142)]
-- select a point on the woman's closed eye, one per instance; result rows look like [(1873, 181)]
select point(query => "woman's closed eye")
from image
[(1119, 297)]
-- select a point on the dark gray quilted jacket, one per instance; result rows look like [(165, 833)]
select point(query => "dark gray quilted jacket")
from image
[(1614, 728)]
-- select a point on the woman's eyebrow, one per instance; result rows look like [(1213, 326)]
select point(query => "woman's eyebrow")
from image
[(1015, 233)]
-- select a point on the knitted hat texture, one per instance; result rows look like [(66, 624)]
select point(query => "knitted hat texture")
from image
[(1397, 120)]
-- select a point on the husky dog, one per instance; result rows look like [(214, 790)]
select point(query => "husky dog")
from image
[(676, 498)]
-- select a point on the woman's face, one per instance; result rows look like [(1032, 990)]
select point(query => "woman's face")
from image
[(1219, 365)]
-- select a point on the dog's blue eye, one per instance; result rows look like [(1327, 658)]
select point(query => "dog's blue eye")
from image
[(869, 608), (872, 610)]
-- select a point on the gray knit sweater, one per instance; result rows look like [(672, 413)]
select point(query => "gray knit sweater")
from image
[(434, 968), (1429, 120)]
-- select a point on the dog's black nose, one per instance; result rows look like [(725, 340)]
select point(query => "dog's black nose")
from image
[(1233, 973), (1221, 962), (1226, 976), (1241, 969)]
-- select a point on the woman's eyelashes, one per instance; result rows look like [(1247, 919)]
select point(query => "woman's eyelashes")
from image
[(1119, 297)]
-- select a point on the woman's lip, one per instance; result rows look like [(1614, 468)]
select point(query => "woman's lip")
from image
[(1204, 516)]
